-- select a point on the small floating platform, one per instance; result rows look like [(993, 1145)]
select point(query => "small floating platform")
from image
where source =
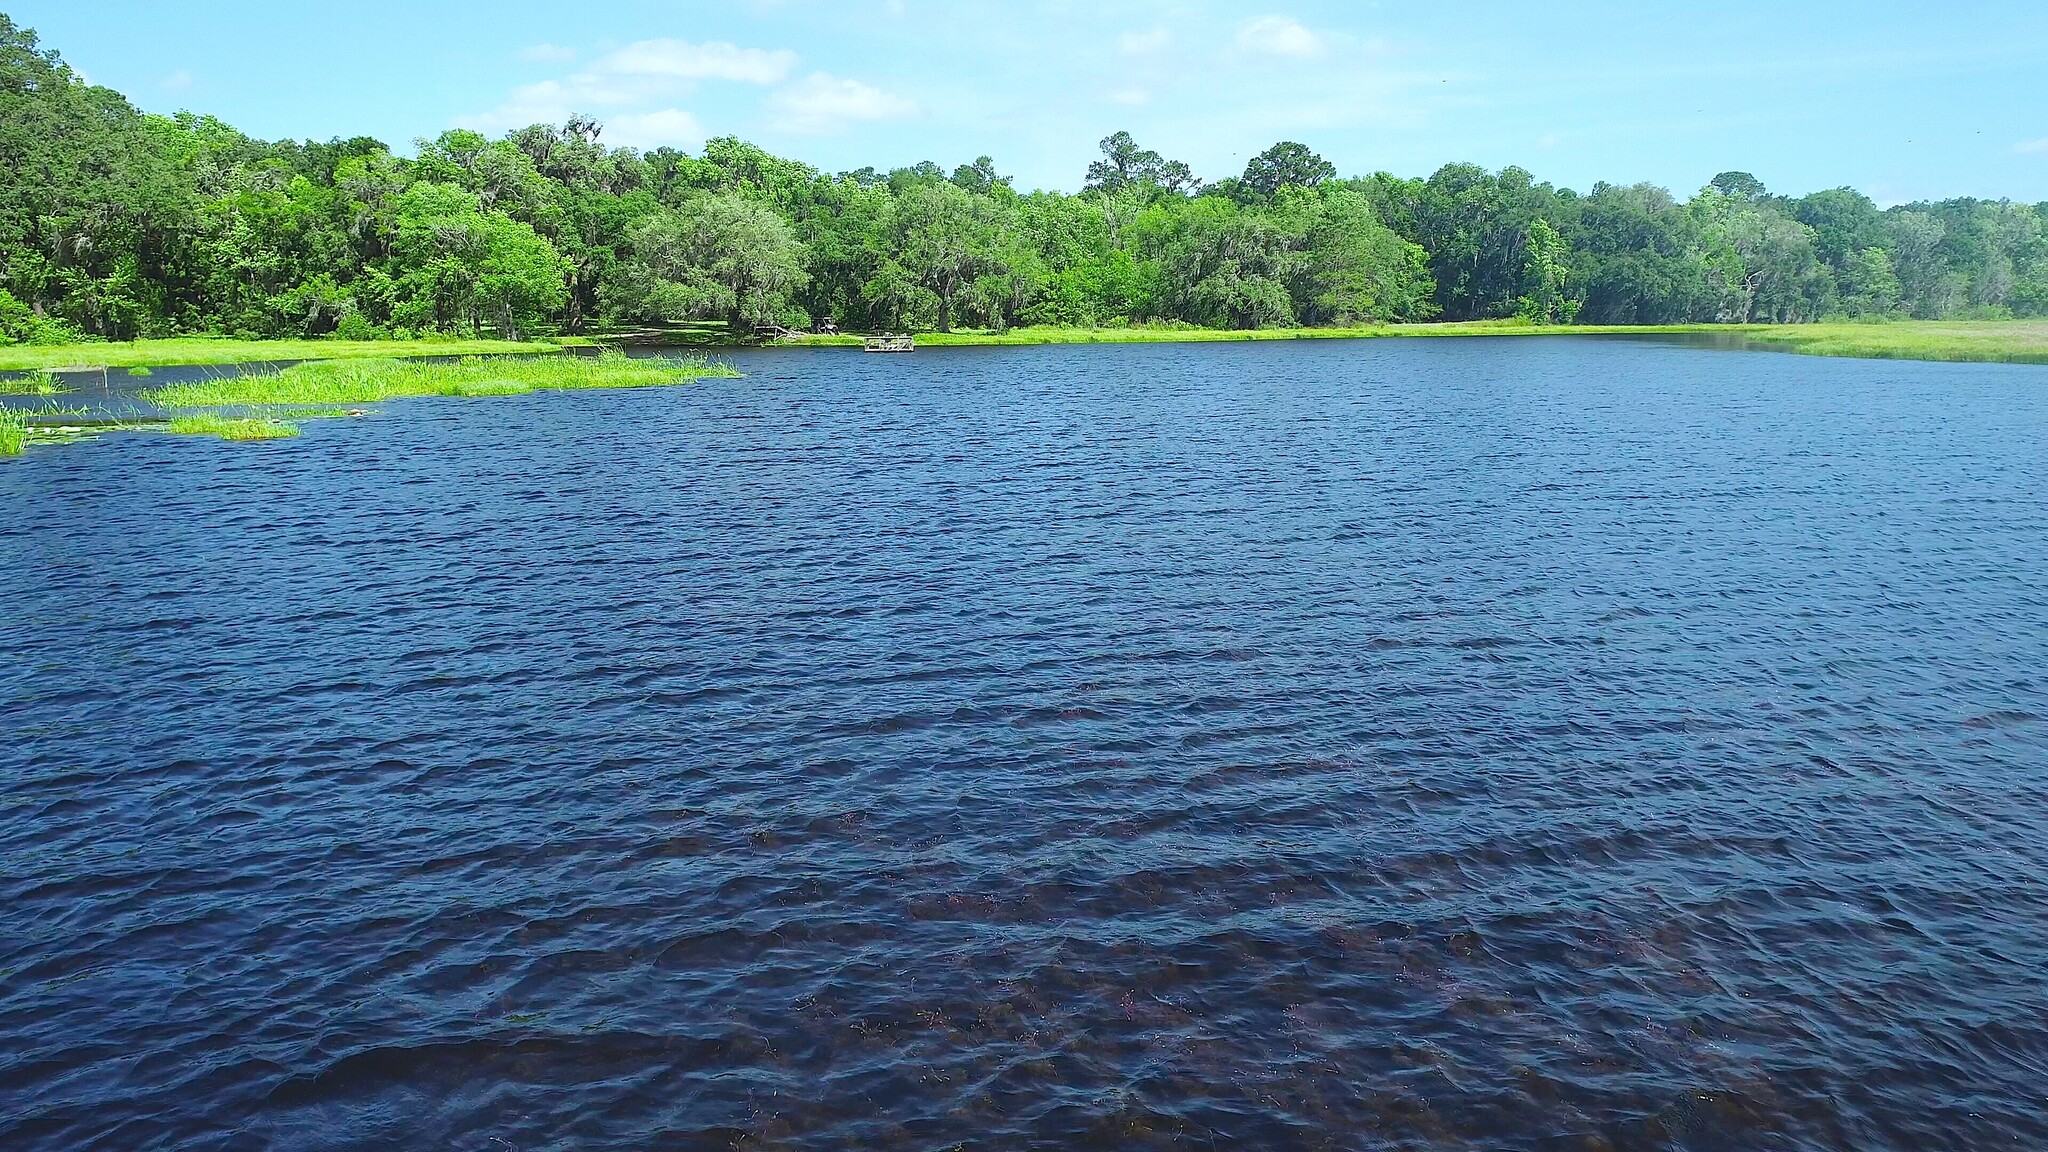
[(889, 344)]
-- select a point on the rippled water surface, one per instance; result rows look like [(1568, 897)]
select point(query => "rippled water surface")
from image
[(1398, 744)]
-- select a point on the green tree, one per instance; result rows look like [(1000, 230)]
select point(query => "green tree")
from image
[(1285, 165), (1546, 273), (945, 239), (1764, 262), (1125, 165), (1870, 285), (1351, 267), (461, 267), (722, 255)]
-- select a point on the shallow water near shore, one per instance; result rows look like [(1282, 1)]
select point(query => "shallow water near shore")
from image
[(1563, 744)]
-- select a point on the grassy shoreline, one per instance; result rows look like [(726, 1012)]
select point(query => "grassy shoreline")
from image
[(1988, 341), (272, 405), (1953, 341), (1974, 341), (1177, 335), (201, 350)]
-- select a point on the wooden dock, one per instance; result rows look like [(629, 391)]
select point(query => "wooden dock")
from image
[(889, 344)]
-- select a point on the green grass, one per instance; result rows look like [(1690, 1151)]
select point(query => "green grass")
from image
[(139, 371), (339, 382), (33, 384), (271, 405), (1988, 341), (1975, 341), (231, 427), (202, 350), (1180, 334), (294, 412)]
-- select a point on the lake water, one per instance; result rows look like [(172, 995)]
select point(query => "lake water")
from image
[(1497, 744)]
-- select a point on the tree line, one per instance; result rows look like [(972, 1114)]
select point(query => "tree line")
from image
[(117, 224)]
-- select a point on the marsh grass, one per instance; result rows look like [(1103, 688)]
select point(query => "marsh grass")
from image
[(34, 384), (231, 427), (336, 382), (1985, 341), (140, 371), (293, 412), (13, 432)]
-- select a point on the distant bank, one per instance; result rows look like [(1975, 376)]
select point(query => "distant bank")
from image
[(1987, 341)]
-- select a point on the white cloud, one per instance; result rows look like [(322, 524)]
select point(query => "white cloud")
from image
[(1146, 43), (672, 127), (822, 102), (547, 54), (548, 102), (2031, 147), (634, 89), (682, 60), (1279, 36)]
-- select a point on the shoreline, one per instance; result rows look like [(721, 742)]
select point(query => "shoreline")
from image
[(1021, 337), (1949, 341), (1939, 341), (199, 351)]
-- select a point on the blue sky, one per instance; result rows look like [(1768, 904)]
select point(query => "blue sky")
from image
[(1903, 100)]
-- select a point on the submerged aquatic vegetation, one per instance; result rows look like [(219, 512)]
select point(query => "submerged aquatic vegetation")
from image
[(369, 381), (33, 384), (232, 427)]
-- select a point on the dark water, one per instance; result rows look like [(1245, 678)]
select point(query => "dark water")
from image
[(1402, 744)]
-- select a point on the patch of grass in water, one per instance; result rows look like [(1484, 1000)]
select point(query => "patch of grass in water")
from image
[(231, 427), (371, 381), (34, 384), (492, 388), (138, 371), (23, 428), (297, 413)]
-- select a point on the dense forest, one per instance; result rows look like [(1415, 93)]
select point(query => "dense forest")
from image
[(117, 224)]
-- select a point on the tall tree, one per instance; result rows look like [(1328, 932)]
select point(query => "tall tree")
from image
[(1545, 274), (945, 239), (723, 255), (1285, 165)]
